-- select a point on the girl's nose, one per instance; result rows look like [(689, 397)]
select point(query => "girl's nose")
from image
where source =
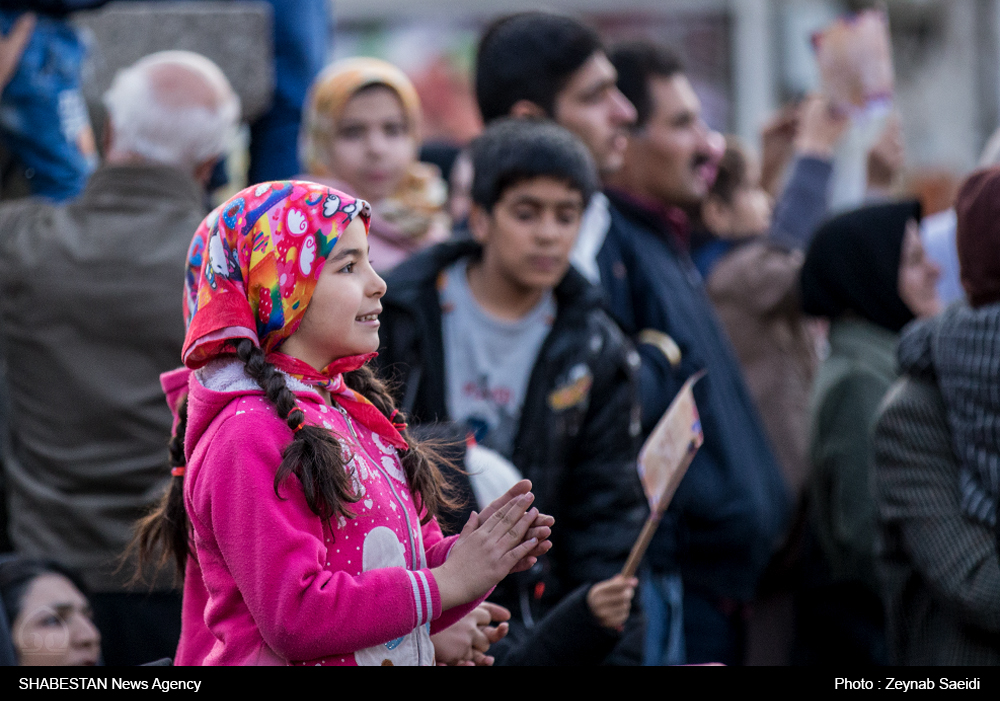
[(378, 286)]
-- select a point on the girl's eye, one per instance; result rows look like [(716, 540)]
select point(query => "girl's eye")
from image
[(349, 268), (352, 132), (394, 129)]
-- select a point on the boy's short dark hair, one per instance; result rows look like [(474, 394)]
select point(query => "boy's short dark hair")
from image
[(529, 56), (511, 151), (637, 62)]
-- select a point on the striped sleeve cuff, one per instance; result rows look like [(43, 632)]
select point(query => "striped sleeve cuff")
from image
[(426, 598)]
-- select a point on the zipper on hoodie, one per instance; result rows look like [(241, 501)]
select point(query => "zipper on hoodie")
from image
[(406, 514)]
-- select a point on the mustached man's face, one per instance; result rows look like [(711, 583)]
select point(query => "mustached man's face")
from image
[(674, 154)]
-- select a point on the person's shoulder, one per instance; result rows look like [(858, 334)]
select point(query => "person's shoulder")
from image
[(246, 436), (758, 257), (756, 267), (848, 388), (601, 338), (27, 227), (913, 405), (19, 212)]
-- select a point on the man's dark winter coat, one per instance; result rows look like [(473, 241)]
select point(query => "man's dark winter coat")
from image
[(732, 506)]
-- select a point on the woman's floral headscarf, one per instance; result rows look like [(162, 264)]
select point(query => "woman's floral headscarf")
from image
[(254, 263)]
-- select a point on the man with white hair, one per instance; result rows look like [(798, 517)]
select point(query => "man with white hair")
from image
[(90, 315)]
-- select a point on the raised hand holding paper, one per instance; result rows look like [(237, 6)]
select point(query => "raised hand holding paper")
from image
[(855, 61)]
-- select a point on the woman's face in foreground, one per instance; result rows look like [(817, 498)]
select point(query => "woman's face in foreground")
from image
[(373, 145), (54, 626)]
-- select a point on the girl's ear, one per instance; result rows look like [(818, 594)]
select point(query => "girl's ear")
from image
[(717, 215)]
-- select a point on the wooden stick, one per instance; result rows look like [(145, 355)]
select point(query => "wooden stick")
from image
[(641, 543)]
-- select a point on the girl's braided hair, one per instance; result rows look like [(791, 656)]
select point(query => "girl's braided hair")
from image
[(314, 456)]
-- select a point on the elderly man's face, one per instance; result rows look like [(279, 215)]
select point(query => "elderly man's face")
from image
[(675, 153)]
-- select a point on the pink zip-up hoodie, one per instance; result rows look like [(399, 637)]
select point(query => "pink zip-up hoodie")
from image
[(269, 583)]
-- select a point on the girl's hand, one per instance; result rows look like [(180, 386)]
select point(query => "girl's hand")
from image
[(521, 488), (610, 601), (540, 529), (486, 551)]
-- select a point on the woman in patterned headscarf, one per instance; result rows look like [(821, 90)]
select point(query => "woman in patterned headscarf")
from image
[(361, 133)]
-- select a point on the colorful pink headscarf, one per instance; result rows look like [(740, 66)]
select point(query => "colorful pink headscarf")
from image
[(254, 263), (252, 267)]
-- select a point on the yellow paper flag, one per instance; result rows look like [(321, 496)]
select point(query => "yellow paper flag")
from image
[(668, 451)]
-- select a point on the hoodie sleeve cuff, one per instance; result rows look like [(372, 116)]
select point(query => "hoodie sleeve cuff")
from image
[(426, 596)]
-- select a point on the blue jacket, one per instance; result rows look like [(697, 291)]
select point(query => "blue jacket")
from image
[(732, 506)]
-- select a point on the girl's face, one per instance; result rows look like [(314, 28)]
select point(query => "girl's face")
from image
[(918, 275), (373, 145), (54, 626), (342, 316)]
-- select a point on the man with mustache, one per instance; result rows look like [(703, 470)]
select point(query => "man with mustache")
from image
[(718, 534), (732, 506)]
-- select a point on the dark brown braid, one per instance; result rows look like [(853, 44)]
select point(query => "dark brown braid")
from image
[(422, 462), (164, 532), (314, 455)]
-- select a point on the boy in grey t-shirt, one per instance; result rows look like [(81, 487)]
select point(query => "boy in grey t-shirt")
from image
[(486, 359), (502, 337)]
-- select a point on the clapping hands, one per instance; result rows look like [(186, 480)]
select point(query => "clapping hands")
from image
[(508, 536)]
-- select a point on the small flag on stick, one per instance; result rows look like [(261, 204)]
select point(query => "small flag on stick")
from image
[(663, 461)]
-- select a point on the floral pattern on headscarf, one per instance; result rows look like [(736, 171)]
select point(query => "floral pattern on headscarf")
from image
[(254, 262)]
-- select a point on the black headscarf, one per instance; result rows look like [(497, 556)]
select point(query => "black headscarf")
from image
[(853, 265)]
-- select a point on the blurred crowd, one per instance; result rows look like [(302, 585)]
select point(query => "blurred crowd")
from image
[(550, 287)]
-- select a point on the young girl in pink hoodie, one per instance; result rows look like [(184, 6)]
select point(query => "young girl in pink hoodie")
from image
[(300, 511)]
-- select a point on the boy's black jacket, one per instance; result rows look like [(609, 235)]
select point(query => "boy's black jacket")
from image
[(579, 457)]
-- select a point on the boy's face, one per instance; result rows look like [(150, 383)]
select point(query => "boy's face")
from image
[(592, 107), (528, 236)]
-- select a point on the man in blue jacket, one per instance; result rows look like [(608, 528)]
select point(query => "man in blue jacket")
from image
[(731, 508)]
